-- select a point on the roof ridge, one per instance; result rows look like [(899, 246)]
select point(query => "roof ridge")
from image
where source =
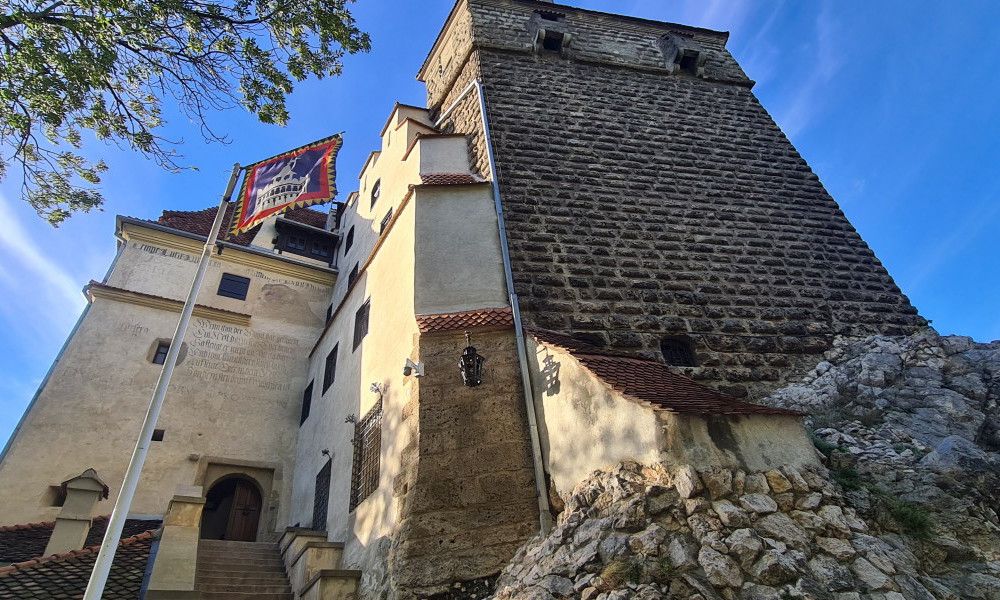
[(61, 556), (23, 526)]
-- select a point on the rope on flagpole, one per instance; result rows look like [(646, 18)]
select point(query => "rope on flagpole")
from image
[(106, 555)]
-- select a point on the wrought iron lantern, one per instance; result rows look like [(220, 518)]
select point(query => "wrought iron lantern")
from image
[(471, 364)]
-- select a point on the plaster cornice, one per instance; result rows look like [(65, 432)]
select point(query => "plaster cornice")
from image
[(232, 254), (95, 290)]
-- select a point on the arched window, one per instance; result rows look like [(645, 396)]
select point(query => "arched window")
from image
[(677, 352)]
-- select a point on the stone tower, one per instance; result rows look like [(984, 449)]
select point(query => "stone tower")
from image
[(651, 203)]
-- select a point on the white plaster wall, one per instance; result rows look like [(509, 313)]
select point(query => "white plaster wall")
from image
[(585, 425), (236, 394), (443, 154), (457, 246)]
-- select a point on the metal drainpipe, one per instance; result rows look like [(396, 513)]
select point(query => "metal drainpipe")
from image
[(544, 516)]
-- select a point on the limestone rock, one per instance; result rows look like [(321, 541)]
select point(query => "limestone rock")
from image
[(837, 548), (778, 482), (730, 514), (761, 504), (718, 482), (869, 576), (687, 482), (831, 574), (753, 591), (774, 568), (781, 527), (745, 545), (720, 570), (756, 483)]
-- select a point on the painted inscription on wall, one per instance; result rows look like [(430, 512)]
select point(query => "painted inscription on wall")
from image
[(239, 355)]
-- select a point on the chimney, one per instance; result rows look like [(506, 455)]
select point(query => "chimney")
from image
[(74, 520)]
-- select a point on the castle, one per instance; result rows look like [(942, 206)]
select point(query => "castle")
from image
[(593, 244)]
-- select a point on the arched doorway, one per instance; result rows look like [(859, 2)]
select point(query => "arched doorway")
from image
[(232, 511)]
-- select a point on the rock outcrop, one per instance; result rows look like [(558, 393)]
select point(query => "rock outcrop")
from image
[(905, 509)]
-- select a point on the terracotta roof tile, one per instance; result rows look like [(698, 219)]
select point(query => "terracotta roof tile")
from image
[(28, 541), (447, 178), (199, 222), (489, 317), (655, 382), (66, 575)]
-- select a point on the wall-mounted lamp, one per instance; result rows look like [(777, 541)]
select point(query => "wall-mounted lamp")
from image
[(413, 368), (471, 364)]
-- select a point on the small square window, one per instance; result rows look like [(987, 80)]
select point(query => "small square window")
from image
[(361, 323), (234, 286), (352, 276), (158, 434), (307, 397), (330, 368), (160, 356), (321, 250), (349, 241), (552, 41), (385, 222)]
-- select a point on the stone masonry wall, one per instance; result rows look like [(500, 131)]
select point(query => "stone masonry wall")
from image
[(468, 494), (642, 203)]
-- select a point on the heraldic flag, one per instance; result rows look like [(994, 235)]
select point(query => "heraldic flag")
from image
[(301, 177)]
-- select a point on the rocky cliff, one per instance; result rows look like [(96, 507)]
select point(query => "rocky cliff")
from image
[(905, 507)]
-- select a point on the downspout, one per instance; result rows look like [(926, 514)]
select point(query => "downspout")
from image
[(544, 515)]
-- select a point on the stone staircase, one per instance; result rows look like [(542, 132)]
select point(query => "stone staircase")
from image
[(241, 571)]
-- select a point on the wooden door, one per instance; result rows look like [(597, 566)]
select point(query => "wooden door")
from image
[(245, 513)]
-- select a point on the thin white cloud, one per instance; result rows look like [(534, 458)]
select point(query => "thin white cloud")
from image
[(807, 100), (21, 249)]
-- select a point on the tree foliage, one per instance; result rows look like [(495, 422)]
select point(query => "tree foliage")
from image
[(107, 66)]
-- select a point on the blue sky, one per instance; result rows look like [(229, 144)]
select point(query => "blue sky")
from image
[(895, 104)]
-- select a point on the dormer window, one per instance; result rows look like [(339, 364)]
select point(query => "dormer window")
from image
[(303, 240), (678, 352), (376, 190)]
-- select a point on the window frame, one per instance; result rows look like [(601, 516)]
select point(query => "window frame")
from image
[(361, 326), (232, 278), (307, 395), (330, 368)]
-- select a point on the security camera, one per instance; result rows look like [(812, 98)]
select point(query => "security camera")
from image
[(413, 368)]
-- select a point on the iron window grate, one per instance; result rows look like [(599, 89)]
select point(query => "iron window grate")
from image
[(367, 448)]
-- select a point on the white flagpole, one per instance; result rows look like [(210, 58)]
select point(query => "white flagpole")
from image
[(102, 566)]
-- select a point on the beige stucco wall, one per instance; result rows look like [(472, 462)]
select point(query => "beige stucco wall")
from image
[(587, 426), (235, 395), (458, 265)]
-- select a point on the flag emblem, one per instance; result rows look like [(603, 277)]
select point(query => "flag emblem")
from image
[(301, 177)]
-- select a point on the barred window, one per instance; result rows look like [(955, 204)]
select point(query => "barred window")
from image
[(321, 498), (367, 447)]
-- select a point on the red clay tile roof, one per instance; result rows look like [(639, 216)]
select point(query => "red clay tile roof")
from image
[(19, 543), (447, 178), (199, 222), (655, 383), (65, 576), (489, 317)]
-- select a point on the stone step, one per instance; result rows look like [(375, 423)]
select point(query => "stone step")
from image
[(235, 571), (263, 559), (220, 561), (245, 596), (245, 589), (234, 544), (242, 578)]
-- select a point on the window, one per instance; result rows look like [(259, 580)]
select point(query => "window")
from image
[(329, 313), (677, 352), (295, 242), (552, 41), (158, 434), (320, 250), (361, 323), (330, 368), (234, 286), (160, 356), (321, 498), (307, 399), (352, 276), (385, 222), (367, 448), (376, 191), (349, 241)]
